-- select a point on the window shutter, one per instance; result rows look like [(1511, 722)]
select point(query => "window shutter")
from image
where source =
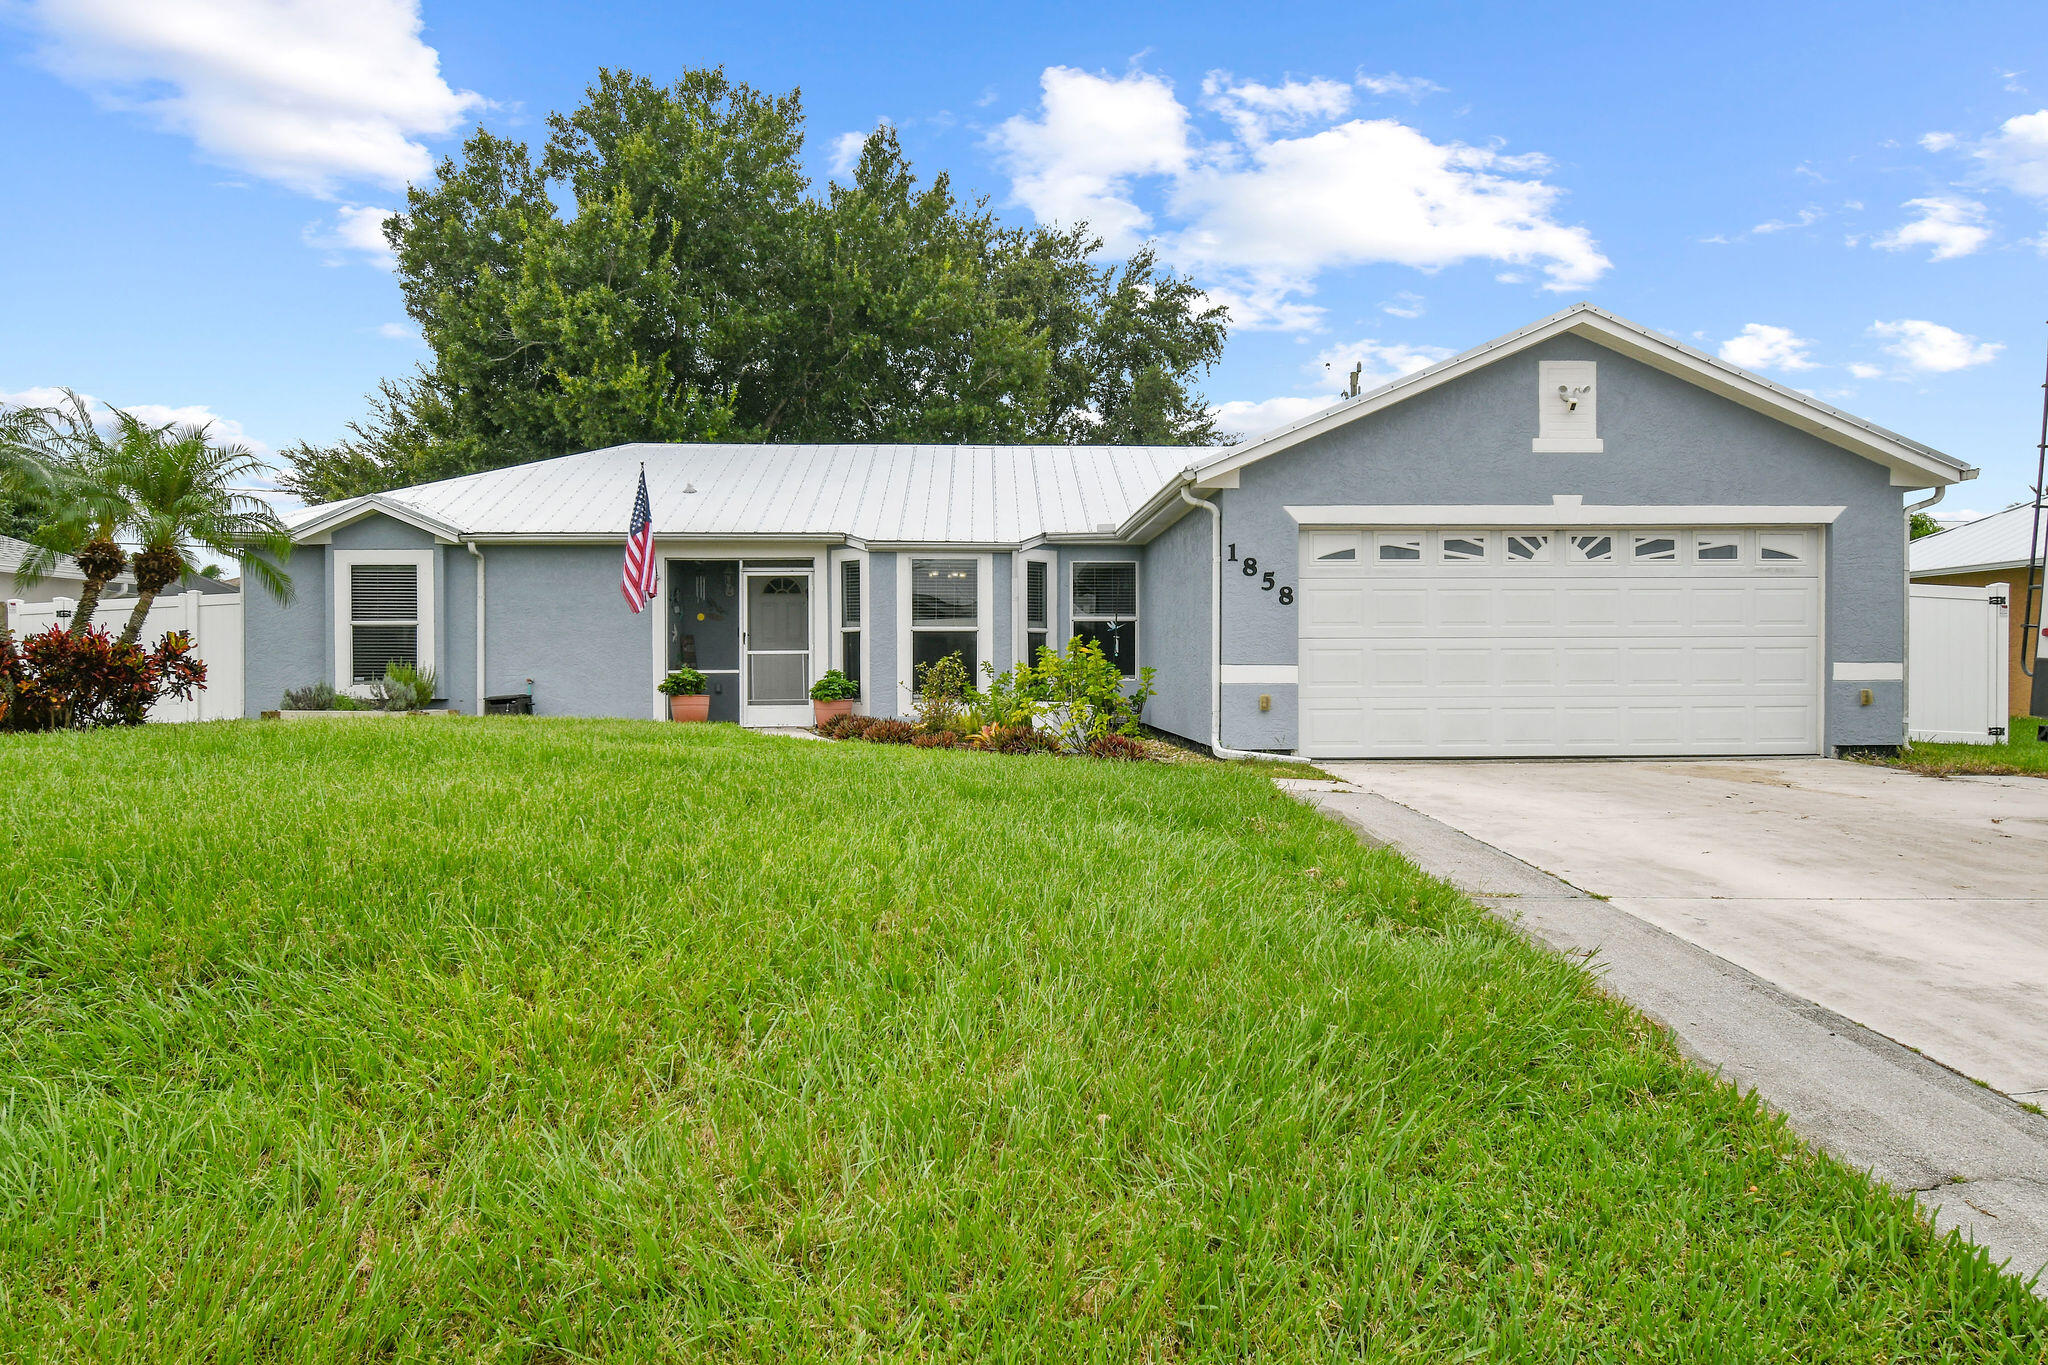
[(1034, 595), (1106, 590), (849, 593), (384, 592), (375, 648)]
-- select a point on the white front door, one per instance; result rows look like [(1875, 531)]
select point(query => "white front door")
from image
[(775, 639), (1545, 641)]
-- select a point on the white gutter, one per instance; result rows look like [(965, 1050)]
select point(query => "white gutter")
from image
[(1906, 636), (479, 555), (1216, 625)]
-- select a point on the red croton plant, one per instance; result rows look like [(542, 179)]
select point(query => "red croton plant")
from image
[(56, 680)]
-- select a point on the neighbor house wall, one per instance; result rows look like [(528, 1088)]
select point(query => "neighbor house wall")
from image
[(1667, 442)]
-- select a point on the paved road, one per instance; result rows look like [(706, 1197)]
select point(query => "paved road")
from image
[(1814, 930)]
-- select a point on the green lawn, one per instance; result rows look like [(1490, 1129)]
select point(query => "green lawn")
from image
[(2023, 754), (553, 1040)]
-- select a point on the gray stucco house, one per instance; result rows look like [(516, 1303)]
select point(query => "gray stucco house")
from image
[(1580, 538)]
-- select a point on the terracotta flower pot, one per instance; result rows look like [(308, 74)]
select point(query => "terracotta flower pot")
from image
[(822, 711), (690, 708)]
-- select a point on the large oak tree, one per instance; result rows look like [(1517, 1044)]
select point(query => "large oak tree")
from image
[(664, 272)]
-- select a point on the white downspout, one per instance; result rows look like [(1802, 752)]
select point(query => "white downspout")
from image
[(1906, 637), (479, 556), (1216, 628)]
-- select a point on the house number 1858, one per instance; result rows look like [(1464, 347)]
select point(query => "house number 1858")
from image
[(1266, 583)]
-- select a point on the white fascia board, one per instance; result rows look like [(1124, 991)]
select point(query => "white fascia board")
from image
[(318, 530), (1560, 514), (1906, 459), (1991, 566)]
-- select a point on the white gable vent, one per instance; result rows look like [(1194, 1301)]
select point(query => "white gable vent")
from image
[(1567, 408)]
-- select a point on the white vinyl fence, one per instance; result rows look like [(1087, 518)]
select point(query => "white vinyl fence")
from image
[(213, 619), (1957, 677)]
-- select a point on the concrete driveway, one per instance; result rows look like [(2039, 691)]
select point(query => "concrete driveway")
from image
[(1915, 906)]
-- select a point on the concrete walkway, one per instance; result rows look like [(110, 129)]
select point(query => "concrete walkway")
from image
[(1976, 1159)]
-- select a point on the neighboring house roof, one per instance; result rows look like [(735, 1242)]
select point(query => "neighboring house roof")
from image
[(878, 494), (13, 551), (1008, 495), (1998, 541)]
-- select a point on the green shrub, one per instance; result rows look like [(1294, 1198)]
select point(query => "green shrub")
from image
[(57, 680), (312, 697), (404, 688), (942, 689), (1011, 698), (682, 682), (834, 686), (1084, 697)]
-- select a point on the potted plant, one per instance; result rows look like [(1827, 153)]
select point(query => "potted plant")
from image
[(832, 695), (684, 689)]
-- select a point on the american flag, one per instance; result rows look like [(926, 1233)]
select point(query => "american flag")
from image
[(637, 582)]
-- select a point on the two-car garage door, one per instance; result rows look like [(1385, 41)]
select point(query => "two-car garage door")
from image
[(1545, 641)]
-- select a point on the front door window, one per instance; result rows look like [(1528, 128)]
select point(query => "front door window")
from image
[(778, 638)]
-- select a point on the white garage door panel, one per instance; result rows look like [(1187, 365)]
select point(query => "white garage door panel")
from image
[(1561, 642)]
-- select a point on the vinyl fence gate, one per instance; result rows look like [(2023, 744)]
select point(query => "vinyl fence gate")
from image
[(1956, 676)]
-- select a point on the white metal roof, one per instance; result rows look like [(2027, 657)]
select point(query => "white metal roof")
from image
[(997, 495), (1998, 541)]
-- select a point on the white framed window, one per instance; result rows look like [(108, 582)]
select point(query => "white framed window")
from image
[(1717, 547), (1462, 547), (1591, 547), (1655, 548), (1782, 547), (1037, 607), (1105, 609), (946, 612), (1528, 547), (383, 608), (1397, 546), (852, 615), (1333, 545)]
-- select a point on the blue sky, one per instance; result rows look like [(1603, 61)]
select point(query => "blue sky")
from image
[(1850, 199)]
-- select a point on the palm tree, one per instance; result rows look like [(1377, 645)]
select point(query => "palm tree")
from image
[(77, 477), (180, 487)]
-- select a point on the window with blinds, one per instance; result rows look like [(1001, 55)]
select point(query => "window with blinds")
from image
[(384, 619), (849, 619), (945, 615), (1105, 602), (1037, 602)]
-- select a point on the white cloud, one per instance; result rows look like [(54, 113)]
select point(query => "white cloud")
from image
[(1383, 360), (399, 331), (309, 94), (1258, 216), (356, 229), (1760, 346), (1410, 88), (2016, 156), (1244, 417), (156, 414), (1930, 348), (1952, 226), (1807, 217), (1862, 370), (1094, 135), (1257, 111), (1937, 142), (1404, 305), (846, 149)]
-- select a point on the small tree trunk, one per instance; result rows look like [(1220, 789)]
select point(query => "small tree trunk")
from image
[(88, 603), (133, 629)]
